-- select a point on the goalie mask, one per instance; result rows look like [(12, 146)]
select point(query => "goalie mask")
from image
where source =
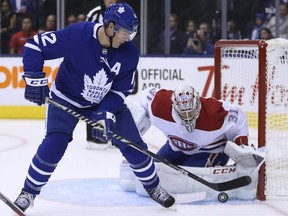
[(186, 103), (124, 18)]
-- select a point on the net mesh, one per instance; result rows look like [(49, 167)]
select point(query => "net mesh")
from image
[(240, 85)]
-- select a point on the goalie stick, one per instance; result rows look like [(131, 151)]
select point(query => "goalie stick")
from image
[(221, 186), (9, 203)]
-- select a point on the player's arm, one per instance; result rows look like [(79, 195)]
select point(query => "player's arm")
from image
[(112, 102), (245, 155), (45, 46), (145, 98), (239, 132), (41, 47)]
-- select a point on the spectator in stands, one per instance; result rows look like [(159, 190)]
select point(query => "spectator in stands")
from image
[(190, 27), (81, 17), (50, 23), (71, 19), (199, 44), (8, 25), (283, 22), (232, 32), (191, 30), (19, 39), (265, 33), (26, 6), (177, 38), (265, 6), (253, 29)]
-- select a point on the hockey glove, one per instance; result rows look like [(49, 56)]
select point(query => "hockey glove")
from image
[(36, 89), (247, 158), (108, 121)]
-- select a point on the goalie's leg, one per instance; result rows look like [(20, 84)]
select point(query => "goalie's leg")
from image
[(142, 165), (195, 160)]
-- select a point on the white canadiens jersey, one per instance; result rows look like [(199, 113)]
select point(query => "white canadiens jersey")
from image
[(217, 123)]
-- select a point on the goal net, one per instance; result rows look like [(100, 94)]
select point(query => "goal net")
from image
[(254, 75)]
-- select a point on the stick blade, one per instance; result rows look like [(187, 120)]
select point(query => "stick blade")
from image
[(9, 203), (233, 184)]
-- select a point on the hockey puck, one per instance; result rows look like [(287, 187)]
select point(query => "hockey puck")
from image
[(222, 197)]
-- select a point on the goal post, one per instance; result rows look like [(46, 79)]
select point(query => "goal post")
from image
[(254, 75)]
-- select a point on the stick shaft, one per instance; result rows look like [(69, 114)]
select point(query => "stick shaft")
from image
[(222, 186)]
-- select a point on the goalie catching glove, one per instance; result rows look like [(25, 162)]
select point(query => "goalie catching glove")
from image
[(36, 89), (247, 158), (108, 122)]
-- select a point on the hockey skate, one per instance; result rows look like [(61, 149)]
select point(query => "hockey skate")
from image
[(159, 195), (24, 200)]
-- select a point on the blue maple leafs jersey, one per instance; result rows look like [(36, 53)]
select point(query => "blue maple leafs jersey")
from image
[(89, 75)]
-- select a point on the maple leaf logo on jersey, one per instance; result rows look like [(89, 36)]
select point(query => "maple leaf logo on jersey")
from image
[(121, 10), (182, 144), (95, 91)]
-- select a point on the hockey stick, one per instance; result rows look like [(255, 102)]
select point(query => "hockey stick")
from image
[(9, 203), (221, 186)]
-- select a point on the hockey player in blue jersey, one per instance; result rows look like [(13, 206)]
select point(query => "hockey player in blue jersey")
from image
[(95, 76)]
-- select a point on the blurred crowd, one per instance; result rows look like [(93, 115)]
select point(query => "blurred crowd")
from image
[(198, 36), (195, 25)]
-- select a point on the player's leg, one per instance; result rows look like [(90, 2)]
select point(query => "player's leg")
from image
[(60, 126), (175, 157), (195, 160), (142, 165), (206, 160)]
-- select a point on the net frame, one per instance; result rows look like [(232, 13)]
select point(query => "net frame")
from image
[(261, 46)]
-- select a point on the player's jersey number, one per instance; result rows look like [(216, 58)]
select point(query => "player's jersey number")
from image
[(48, 37)]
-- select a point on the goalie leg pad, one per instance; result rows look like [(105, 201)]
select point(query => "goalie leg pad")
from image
[(176, 183), (127, 178)]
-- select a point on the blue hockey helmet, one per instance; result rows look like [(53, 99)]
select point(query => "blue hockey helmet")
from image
[(122, 15)]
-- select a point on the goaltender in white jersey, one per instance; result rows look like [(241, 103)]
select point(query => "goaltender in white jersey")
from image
[(197, 128), (201, 132)]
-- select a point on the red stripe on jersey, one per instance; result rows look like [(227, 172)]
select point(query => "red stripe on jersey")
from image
[(211, 116), (241, 140), (161, 105)]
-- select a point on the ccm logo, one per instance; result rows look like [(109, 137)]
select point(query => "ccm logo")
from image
[(224, 170), (36, 82)]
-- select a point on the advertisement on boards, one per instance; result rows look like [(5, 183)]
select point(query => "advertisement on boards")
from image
[(151, 72)]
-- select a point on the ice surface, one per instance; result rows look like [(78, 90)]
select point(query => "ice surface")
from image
[(85, 182)]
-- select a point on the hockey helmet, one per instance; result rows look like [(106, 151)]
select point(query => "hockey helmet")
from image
[(123, 16), (186, 103)]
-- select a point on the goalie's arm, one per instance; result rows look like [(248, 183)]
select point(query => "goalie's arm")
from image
[(239, 133)]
